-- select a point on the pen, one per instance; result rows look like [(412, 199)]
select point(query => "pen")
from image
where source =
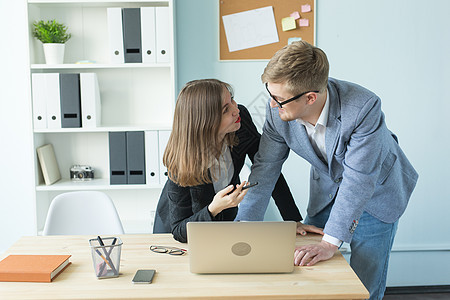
[(100, 241), (102, 267), (104, 259), (110, 264)]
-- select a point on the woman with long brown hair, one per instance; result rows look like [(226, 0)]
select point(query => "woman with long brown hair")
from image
[(210, 139)]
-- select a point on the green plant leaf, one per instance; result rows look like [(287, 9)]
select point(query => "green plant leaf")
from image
[(50, 32)]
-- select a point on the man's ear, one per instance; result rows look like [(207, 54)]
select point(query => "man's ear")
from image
[(311, 98)]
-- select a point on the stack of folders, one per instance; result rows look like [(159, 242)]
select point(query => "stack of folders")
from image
[(127, 157), (139, 35), (32, 268), (135, 157), (66, 100)]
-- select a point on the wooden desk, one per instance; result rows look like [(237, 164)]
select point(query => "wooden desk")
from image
[(333, 279)]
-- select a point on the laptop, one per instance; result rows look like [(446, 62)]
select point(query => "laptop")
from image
[(241, 247)]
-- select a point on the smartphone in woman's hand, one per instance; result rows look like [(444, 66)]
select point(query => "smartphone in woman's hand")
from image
[(249, 185)]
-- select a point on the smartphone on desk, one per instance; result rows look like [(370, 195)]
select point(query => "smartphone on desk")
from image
[(144, 276)]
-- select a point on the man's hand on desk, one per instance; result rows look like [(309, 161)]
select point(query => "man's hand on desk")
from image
[(303, 229), (310, 254)]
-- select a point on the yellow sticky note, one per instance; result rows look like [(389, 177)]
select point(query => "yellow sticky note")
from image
[(288, 23)]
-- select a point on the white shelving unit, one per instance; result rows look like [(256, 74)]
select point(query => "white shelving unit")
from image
[(134, 97)]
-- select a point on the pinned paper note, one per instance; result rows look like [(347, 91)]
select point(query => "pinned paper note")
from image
[(294, 39), (250, 28), (288, 23), (306, 8), (303, 22), (295, 15)]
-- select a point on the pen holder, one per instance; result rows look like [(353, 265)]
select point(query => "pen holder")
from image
[(106, 257)]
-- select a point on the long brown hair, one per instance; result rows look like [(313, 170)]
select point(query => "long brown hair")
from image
[(194, 141)]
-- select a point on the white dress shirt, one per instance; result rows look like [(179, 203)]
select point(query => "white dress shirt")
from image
[(316, 135), (222, 169)]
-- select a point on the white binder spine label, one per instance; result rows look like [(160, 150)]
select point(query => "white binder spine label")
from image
[(152, 157), (53, 101), (115, 32), (148, 32), (39, 102), (162, 35), (90, 100)]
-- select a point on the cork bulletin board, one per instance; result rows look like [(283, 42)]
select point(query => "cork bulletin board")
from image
[(281, 9)]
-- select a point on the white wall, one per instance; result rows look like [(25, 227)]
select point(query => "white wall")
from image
[(400, 50), (17, 205)]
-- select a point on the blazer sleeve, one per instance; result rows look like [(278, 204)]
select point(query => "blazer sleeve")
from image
[(181, 211), (249, 137), (190, 204)]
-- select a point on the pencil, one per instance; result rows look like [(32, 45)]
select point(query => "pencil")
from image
[(98, 252)]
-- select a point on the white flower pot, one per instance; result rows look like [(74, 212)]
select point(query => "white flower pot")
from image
[(54, 53)]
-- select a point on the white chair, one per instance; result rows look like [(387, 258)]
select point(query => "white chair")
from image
[(84, 212)]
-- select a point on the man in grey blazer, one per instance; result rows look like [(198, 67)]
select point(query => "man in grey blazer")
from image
[(360, 179)]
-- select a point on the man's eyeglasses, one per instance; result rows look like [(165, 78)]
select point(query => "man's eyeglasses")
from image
[(168, 250), (280, 104)]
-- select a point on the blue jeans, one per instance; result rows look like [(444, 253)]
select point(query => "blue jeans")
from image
[(371, 246)]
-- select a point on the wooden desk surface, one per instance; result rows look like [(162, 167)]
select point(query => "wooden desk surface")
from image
[(332, 279)]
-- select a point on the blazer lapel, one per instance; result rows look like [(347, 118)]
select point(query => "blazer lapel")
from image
[(333, 126), (305, 148)]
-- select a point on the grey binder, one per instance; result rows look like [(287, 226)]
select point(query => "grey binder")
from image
[(69, 91), (135, 157), (131, 22), (117, 158)]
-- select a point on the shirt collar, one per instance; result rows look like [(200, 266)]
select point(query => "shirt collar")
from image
[(323, 118)]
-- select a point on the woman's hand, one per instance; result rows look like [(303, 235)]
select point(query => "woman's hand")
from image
[(303, 229), (226, 199)]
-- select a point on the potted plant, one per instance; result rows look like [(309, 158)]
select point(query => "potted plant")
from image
[(53, 36)]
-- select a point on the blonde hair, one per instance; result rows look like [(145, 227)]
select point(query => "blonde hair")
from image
[(301, 66), (194, 141)]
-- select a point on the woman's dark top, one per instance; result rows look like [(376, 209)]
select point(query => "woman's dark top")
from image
[(179, 205)]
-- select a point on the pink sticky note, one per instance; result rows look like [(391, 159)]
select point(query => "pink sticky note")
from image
[(306, 8), (295, 15), (303, 22)]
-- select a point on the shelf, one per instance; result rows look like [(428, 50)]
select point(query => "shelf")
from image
[(105, 129), (134, 97), (96, 184), (97, 66), (96, 2)]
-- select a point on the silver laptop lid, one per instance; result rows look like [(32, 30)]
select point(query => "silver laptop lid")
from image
[(241, 247)]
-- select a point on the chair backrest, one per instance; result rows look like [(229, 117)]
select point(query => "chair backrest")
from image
[(83, 212)]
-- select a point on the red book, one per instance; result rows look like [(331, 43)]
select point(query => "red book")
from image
[(32, 268)]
